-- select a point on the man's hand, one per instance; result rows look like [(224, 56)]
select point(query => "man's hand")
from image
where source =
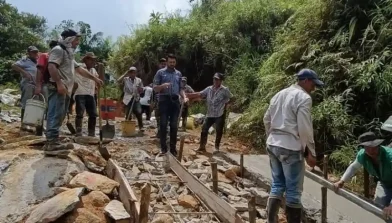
[(311, 160), (61, 89), (37, 90), (186, 100), (165, 85), (98, 81), (388, 211), (338, 185)]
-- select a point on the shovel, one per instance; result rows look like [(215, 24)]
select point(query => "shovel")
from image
[(179, 116), (102, 149), (108, 131), (70, 126)]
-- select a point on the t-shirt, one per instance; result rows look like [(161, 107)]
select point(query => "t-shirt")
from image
[(85, 85), (29, 66), (65, 64), (147, 96), (216, 100)]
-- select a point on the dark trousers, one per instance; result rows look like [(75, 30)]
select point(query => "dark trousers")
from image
[(169, 109), (219, 125), (86, 103), (136, 110), (146, 109), (184, 116)]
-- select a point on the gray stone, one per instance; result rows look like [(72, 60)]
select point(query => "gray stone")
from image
[(198, 172), (261, 196), (228, 189), (241, 207), (203, 178), (115, 209), (262, 213), (55, 207)]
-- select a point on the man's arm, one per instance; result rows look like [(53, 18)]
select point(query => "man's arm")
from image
[(121, 78), (351, 171), (85, 73), (18, 67), (305, 126), (267, 121)]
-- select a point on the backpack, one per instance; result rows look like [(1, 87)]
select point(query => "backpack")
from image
[(46, 74)]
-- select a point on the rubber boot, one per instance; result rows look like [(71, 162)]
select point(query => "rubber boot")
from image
[(273, 209), (91, 126), (293, 215), (78, 126), (39, 130)]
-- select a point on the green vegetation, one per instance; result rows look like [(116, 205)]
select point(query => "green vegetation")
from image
[(260, 44)]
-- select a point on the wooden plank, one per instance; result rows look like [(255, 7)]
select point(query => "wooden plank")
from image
[(223, 210), (145, 203), (125, 192)]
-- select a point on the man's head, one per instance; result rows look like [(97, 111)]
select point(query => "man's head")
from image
[(132, 72), (171, 61), (89, 59), (218, 79), (309, 80), (52, 44), (72, 36), (162, 63), (32, 52), (370, 142), (183, 81)]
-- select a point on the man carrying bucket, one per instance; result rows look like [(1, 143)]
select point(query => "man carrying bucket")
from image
[(133, 86), (27, 67), (84, 97), (61, 69)]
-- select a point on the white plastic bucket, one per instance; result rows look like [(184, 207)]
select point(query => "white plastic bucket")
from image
[(34, 111)]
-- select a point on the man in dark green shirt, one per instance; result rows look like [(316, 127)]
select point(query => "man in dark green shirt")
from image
[(377, 160)]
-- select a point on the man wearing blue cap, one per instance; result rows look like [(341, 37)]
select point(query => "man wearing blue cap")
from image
[(289, 128)]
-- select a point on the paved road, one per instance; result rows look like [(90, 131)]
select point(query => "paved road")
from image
[(337, 205)]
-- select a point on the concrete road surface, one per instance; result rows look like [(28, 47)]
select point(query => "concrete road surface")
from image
[(339, 209)]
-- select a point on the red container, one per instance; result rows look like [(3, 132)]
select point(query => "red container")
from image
[(108, 109)]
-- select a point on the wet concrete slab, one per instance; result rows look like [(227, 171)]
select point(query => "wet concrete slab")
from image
[(339, 209)]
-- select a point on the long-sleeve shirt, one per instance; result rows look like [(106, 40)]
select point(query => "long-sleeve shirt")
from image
[(288, 121)]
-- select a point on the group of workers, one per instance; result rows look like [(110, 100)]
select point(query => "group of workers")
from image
[(290, 143), (169, 96), (287, 121), (52, 75)]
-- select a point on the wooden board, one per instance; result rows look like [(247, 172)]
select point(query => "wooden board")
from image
[(125, 192), (223, 210)]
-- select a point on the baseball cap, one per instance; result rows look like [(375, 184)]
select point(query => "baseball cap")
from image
[(32, 49), (184, 79), (219, 76), (132, 69), (69, 33), (162, 60), (311, 75)]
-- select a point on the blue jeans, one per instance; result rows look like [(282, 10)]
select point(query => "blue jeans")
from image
[(57, 110), (27, 93), (169, 109), (288, 171)]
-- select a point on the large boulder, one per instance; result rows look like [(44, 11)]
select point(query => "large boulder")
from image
[(55, 207), (93, 181)]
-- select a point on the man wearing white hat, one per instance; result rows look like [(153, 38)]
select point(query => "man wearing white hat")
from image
[(133, 86)]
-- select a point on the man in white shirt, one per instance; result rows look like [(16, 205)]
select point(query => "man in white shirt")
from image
[(289, 128), (84, 97), (145, 101), (133, 86)]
